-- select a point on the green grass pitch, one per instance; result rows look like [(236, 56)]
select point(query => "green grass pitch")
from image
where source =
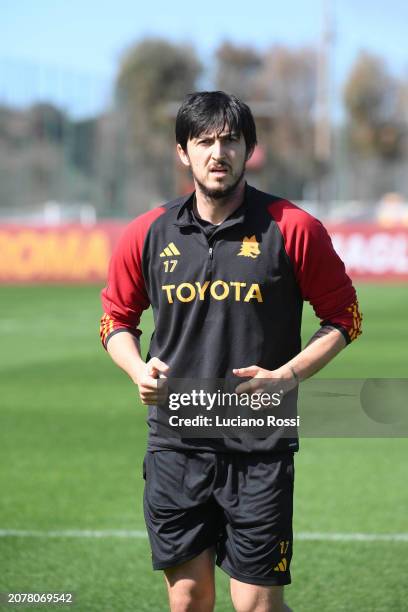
[(72, 437)]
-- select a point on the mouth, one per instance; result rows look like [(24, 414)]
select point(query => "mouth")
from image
[(218, 170)]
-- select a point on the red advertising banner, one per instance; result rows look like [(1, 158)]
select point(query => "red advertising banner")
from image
[(372, 253), (68, 253), (77, 253)]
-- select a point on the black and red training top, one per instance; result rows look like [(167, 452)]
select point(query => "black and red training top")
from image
[(229, 298)]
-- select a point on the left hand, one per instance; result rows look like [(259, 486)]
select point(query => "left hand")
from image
[(262, 380)]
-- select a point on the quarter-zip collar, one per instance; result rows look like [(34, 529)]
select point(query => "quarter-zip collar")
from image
[(185, 217)]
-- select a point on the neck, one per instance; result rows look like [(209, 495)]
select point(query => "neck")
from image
[(216, 210)]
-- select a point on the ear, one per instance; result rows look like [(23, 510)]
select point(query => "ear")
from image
[(183, 155)]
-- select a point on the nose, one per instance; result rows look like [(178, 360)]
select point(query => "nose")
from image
[(218, 150)]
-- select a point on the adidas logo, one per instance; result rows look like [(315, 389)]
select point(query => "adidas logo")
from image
[(170, 250), (282, 566), (283, 563)]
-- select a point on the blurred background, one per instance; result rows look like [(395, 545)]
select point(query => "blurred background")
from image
[(88, 97)]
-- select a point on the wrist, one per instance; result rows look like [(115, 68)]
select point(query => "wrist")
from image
[(283, 373), (293, 373), (137, 372)]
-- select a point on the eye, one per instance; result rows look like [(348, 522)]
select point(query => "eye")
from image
[(230, 138)]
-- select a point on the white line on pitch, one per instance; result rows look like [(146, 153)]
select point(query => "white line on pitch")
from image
[(352, 537), (129, 534), (73, 533)]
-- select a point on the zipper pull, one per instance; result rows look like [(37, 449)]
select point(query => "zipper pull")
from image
[(210, 251)]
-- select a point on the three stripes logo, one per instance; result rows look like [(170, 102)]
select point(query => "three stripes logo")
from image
[(170, 250), (106, 327), (283, 563), (357, 319)]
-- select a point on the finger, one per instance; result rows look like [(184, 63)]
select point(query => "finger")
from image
[(248, 371), (272, 383), (154, 388), (153, 372), (251, 386), (157, 367), (148, 398), (149, 385)]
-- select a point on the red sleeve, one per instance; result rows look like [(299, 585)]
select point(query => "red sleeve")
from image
[(319, 271), (125, 296)]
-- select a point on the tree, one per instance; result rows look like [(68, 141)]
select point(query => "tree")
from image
[(237, 69), (373, 102), (47, 122), (288, 81), (153, 74)]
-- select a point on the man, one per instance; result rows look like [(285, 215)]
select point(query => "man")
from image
[(226, 270)]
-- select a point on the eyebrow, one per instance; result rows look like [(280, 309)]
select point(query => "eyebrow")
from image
[(222, 135)]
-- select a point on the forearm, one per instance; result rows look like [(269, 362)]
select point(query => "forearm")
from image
[(323, 346), (124, 349)]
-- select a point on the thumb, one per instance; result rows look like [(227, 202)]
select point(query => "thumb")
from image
[(155, 367), (249, 371)]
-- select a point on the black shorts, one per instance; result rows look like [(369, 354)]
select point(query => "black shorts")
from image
[(241, 504)]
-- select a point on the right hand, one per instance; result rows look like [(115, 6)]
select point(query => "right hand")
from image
[(151, 391)]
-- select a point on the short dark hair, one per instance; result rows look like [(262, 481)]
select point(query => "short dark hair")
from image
[(208, 111)]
